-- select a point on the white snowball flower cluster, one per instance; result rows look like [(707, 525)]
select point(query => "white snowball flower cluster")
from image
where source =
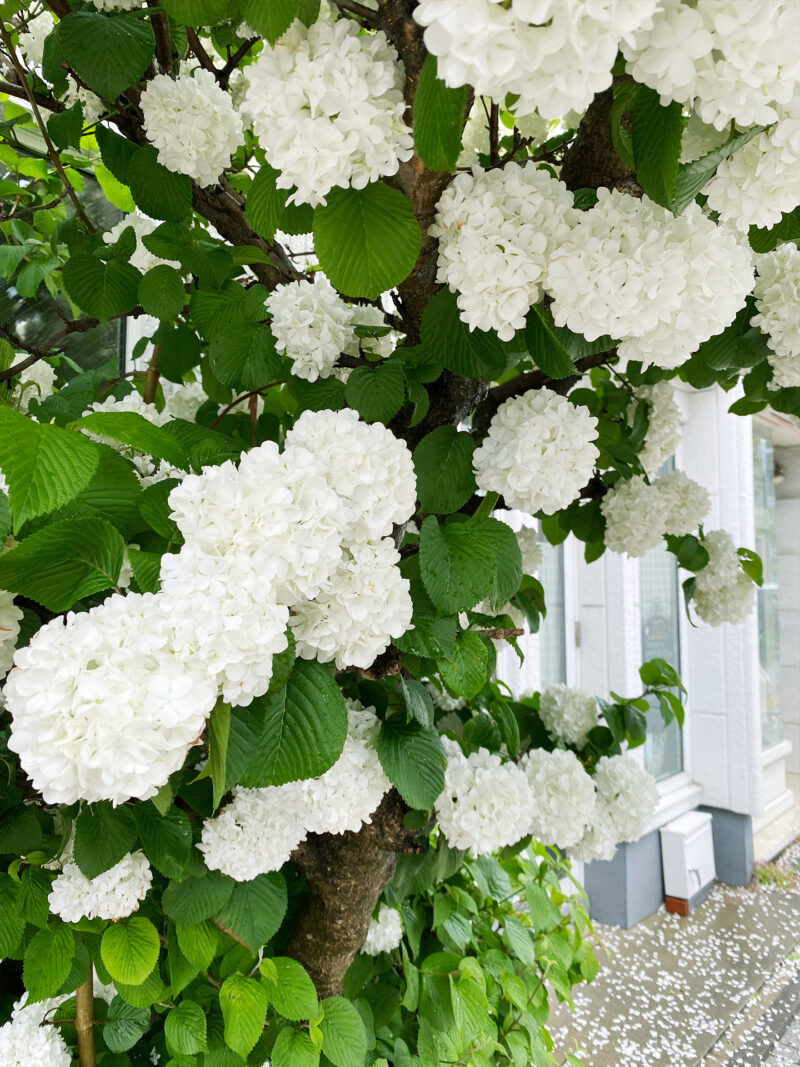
[(311, 325), (760, 181), (369, 315), (538, 453), (385, 932), (193, 124), (732, 60), (563, 796), (134, 402), (147, 469), (568, 713), (658, 283), (111, 895), (10, 616), (496, 231), (442, 699), (724, 593), (31, 41), (598, 843), (117, 5), (326, 105), (638, 515), (530, 549), (486, 804), (184, 401), (142, 258), (554, 54), (664, 422), (103, 707), (260, 828), (26, 1040), (626, 795), (33, 383), (777, 295)]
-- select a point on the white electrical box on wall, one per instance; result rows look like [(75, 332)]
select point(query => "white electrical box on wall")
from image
[(687, 853)]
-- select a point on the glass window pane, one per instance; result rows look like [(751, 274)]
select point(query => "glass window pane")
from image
[(768, 620), (552, 632)]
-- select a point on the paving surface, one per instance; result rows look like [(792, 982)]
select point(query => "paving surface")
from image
[(721, 988)]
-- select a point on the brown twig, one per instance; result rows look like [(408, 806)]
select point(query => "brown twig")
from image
[(59, 7), (165, 52), (352, 7), (233, 62), (52, 151), (33, 209), (152, 377), (238, 400), (494, 134), (199, 51), (84, 1021), (22, 94)]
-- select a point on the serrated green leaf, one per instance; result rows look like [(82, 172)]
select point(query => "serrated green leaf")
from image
[(47, 961), (367, 240), (160, 193), (470, 353), (266, 203), (508, 559), (161, 292), (103, 835), (294, 1049), (443, 466), (656, 138), (439, 115), (376, 393), (414, 760), (466, 669), (693, 176), (185, 1029), (166, 839), (545, 345), (129, 950), (289, 988), (457, 564), (131, 428), (344, 1040), (194, 899), (65, 127), (64, 562), (270, 20), (243, 354), (124, 1025), (244, 1009), (102, 290), (116, 152), (199, 942), (108, 54), (256, 909)]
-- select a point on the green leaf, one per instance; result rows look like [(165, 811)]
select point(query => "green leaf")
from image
[(466, 670), (116, 152), (243, 354), (439, 115), (418, 701), (443, 466), (457, 564), (414, 761), (166, 839), (659, 672), (289, 988), (47, 962), (219, 727), (161, 292), (244, 1009), (367, 240), (129, 950), (65, 127), (146, 568), (519, 941), (180, 350), (115, 192), (199, 942), (256, 909), (103, 835), (124, 1025), (766, 240), (305, 726), (185, 1029), (102, 290), (294, 1049), (194, 899), (270, 20), (656, 137), (344, 1040), (131, 428), (508, 558), (693, 176), (109, 54), (212, 310), (376, 393), (265, 201), (45, 466), (688, 551), (197, 12), (470, 353), (544, 342), (64, 562), (20, 830), (159, 192), (155, 510), (112, 495)]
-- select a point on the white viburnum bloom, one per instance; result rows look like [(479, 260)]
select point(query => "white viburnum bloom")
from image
[(34, 383), (757, 184), (530, 549), (385, 931), (442, 699), (599, 842), (361, 608), (661, 284), (731, 60), (568, 713), (26, 1040), (554, 54), (563, 796), (496, 231), (626, 796), (664, 422), (193, 124), (142, 258), (777, 294), (311, 326), (687, 503), (117, 5), (723, 593), (346, 796), (486, 804), (113, 894), (102, 706), (130, 402), (327, 107), (370, 469), (31, 41), (369, 315), (538, 453), (636, 516), (10, 616), (184, 401), (256, 833)]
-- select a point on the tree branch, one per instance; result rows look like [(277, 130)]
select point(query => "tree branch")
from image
[(591, 160), (82, 325), (33, 208), (47, 102), (197, 47), (351, 7), (151, 377), (59, 7), (233, 62), (84, 1021), (165, 52)]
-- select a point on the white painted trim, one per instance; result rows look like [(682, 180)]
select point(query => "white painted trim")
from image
[(678, 795), (776, 752)]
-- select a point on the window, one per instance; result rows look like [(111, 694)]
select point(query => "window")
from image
[(660, 608), (552, 633), (768, 620)]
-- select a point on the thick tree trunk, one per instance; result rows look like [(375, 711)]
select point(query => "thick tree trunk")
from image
[(592, 161), (84, 1021), (346, 874)]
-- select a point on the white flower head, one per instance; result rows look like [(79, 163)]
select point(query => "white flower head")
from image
[(143, 259), (626, 796), (311, 325), (777, 295), (113, 894), (31, 41), (538, 453), (385, 931), (636, 516), (664, 422), (193, 124), (686, 503), (723, 592), (563, 796), (26, 1039), (10, 616), (36, 382), (568, 714)]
